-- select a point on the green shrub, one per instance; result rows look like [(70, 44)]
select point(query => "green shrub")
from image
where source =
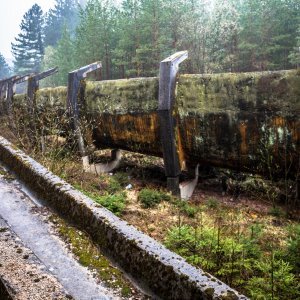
[(274, 281), (122, 178), (185, 208), (115, 203), (117, 182), (276, 212), (151, 198), (212, 203), (113, 185), (238, 259), (293, 255)]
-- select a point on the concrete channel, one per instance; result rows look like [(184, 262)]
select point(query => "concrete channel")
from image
[(166, 274), (23, 217)]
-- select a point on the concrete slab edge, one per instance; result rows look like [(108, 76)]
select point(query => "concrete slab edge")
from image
[(167, 274)]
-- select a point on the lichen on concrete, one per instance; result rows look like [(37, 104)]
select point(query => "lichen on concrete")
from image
[(238, 91), (52, 96), (122, 96)]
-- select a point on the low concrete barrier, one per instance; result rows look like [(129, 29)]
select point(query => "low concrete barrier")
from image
[(168, 275)]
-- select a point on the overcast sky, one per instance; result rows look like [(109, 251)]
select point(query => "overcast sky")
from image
[(11, 14)]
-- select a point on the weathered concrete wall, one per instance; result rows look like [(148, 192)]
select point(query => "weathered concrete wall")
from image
[(124, 114), (225, 120), (165, 273), (237, 120)]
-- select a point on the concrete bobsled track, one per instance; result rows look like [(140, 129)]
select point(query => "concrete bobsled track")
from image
[(223, 120), (237, 121), (164, 272)]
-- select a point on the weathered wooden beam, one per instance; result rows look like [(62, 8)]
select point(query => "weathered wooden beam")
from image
[(74, 79), (167, 83), (32, 88), (3, 85), (33, 85), (11, 85)]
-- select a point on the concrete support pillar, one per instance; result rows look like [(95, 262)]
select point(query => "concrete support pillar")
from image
[(74, 79), (167, 83)]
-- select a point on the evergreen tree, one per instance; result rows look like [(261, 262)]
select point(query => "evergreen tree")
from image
[(267, 33), (193, 32), (64, 12), (294, 56), (63, 56), (129, 39), (223, 42), (4, 68), (221, 36), (95, 37), (153, 46), (28, 49)]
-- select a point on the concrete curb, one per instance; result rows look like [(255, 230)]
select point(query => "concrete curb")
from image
[(168, 275)]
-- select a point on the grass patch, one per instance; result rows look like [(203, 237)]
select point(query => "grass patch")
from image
[(115, 203), (212, 203), (276, 211), (151, 198)]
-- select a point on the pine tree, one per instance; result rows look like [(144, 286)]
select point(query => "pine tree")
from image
[(193, 33), (223, 48), (95, 36), (28, 49), (129, 39), (294, 56), (153, 46), (4, 68), (63, 56), (64, 12)]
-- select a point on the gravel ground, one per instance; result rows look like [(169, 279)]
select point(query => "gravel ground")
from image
[(23, 274)]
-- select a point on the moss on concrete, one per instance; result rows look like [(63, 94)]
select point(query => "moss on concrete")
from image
[(89, 256), (238, 91), (52, 96), (121, 96)]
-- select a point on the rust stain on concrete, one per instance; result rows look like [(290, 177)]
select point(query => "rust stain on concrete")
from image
[(243, 132)]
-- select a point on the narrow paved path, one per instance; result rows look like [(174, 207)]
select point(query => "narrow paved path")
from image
[(21, 214)]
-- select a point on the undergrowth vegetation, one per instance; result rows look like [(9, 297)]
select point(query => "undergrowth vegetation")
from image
[(244, 254), (256, 251), (151, 198)]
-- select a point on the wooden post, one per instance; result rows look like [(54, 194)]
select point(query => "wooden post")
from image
[(167, 83), (74, 79), (33, 86), (4, 91), (11, 85)]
